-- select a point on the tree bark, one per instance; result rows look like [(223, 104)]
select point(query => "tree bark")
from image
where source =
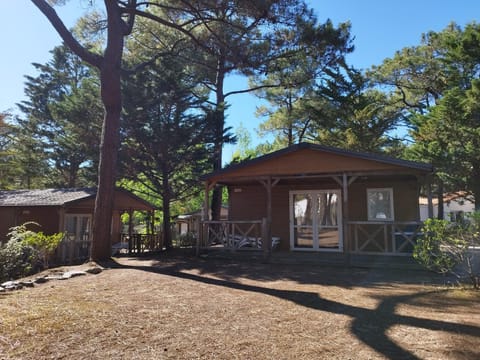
[(110, 76), (219, 129), (166, 199)]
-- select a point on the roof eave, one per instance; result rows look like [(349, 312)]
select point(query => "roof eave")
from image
[(418, 166)]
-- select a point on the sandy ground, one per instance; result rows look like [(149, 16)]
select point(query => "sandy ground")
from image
[(176, 307)]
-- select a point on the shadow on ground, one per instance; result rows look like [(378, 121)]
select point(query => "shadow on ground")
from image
[(346, 277), (369, 325)]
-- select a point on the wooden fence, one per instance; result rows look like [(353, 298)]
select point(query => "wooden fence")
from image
[(234, 235), (142, 243), (383, 237), (72, 250)]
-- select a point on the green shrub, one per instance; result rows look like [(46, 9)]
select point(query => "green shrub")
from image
[(430, 248), (16, 260), (45, 245), (26, 251), (447, 248)]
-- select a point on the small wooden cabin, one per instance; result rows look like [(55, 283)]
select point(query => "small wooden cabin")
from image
[(65, 210), (313, 198)]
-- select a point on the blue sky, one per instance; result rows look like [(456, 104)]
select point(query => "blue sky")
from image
[(380, 27)]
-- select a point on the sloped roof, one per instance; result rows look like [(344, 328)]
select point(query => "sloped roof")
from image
[(317, 151), (62, 197), (44, 197)]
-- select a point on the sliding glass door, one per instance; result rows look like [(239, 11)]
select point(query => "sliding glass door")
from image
[(316, 220)]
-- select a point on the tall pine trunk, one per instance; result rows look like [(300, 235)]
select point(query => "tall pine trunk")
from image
[(166, 199), (110, 76), (219, 123)]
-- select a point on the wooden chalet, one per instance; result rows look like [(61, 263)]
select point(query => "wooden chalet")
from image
[(326, 202), (70, 211)]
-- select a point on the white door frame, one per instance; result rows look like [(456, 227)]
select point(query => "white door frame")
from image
[(78, 236), (315, 225)]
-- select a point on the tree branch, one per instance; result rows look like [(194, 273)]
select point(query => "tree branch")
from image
[(252, 89), (66, 35)]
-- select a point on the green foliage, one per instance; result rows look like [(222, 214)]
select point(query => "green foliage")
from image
[(166, 135), (57, 137), (45, 245), (448, 137), (357, 117), (292, 82), (26, 251), (16, 259), (430, 250), (8, 171), (447, 248), (22, 233), (435, 85)]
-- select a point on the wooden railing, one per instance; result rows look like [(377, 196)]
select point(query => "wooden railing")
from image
[(141, 243), (383, 237), (73, 250), (233, 235)]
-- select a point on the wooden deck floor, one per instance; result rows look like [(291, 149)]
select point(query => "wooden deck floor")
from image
[(319, 258)]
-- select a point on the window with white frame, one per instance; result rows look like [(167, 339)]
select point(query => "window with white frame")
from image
[(380, 204)]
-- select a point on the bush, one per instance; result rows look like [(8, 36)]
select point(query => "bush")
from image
[(45, 245), (448, 248), (16, 260), (26, 251)]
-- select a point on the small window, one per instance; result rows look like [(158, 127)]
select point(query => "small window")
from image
[(380, 204)]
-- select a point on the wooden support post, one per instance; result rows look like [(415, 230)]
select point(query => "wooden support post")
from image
[(267, 237), (264, 230), (61, 222), (345, 217), (130, 230), (61, 229), (429, 197), (202, 235)]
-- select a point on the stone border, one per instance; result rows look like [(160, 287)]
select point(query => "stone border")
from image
[(20, 284)]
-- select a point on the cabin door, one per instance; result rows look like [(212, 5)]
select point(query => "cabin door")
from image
[(316, 220), (78, 236), (78, 227)]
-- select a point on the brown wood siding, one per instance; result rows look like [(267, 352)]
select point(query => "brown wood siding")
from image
[(251, 204), (7, 215), (308, 161), (46, 216), (123, 201), (248, 202), (405, 199)]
